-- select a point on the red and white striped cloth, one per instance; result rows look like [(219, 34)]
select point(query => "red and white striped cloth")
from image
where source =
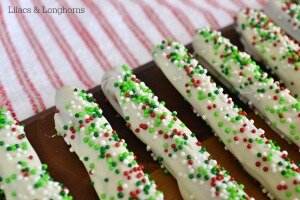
[(41, 52)]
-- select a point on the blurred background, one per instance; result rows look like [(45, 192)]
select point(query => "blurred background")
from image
[(45, 44)]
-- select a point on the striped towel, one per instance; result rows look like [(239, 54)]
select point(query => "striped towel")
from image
[(40, 52)]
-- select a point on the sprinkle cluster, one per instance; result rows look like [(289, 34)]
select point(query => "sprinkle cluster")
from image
[(261, 157), (292, 9), (22, 176), (272, 101), (275, 48), (114, 171), (173, 145)]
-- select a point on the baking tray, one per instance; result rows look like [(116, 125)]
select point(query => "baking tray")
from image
[(65, 166)]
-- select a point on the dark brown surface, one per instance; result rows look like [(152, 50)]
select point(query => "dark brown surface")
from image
[(66, 167)]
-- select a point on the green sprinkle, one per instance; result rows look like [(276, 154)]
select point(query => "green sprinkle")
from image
[(220, 124)]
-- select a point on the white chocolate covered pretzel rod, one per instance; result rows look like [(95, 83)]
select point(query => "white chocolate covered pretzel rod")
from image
[(267, 42), (172, 143), (260, 157), (286, 14), (114, 172), (237, 69), (22, 175)]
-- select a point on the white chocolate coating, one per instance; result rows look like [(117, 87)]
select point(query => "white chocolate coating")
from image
[(173, 145), (259, 156), (274, 103), (22, 175), (267, 42), (279, 11), (112, 168)]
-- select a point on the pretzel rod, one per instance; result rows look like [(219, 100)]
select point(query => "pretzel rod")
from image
[(260, 157), (267, 42), (22, 175), (114, 172), (286, 14), (274, 103), (173, 145)]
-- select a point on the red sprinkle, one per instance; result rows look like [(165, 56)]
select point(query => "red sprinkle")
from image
[(279, 187), (144, 126), (257, 164), (198, 143), (120, 188), (265, 169)]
